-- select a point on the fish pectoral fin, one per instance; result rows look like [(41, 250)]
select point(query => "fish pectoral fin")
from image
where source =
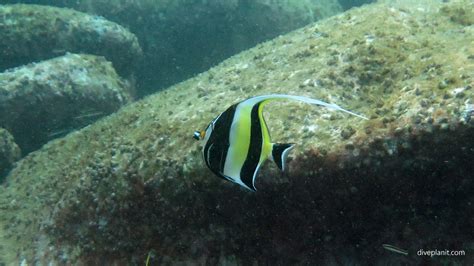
[(280, 153)]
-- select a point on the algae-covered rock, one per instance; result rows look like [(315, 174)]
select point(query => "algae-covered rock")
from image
[(33, 32), (134, 184), (460, 12), (39, 102), (9, 152)]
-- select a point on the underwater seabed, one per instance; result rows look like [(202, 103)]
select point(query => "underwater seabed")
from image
[(133, 186)]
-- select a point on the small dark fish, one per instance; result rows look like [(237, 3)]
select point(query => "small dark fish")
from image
[(237, 142), (59, 133), (88, 115), (59, 51), (395, 249)]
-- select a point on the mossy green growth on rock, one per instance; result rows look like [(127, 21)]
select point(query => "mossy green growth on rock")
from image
[(460, 12), (135, 182)]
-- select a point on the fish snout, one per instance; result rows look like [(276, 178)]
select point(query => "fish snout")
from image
[(199, 134)]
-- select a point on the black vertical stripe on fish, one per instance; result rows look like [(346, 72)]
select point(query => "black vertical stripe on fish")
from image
[(255, 148), (278, 150), (217, 159), (218, 143)]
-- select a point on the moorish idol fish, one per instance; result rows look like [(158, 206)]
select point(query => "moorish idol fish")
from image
[(237, 141)]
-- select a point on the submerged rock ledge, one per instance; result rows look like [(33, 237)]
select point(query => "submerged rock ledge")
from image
[(134, 183), (32, 33), (42, 101)]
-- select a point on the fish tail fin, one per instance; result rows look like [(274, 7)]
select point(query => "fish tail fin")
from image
[(280, 153)]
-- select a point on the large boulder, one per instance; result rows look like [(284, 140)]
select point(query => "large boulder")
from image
[(32, 33), (134, 184), (40, 102), (9, 152)]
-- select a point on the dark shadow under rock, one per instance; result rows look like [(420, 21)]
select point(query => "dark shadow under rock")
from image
[(9, 152)]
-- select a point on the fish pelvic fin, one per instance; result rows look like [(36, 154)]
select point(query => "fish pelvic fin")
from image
[(280, 152)]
